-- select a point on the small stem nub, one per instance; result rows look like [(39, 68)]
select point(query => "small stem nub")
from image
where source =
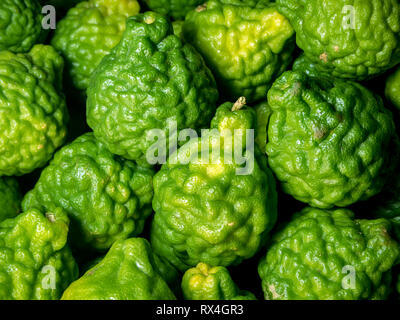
[(201, 7), (149, 20), (239, 104)]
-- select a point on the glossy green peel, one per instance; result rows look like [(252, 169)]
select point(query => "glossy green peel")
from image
[(392, 90), (88, 33), (349, 39), (246, 44), (106, 197), (205, 282), (36, 263), (329, 255), (329, 140), (177, 9), (211, 207), (129, 271), (149, 81), (20, 25), (33, 112)]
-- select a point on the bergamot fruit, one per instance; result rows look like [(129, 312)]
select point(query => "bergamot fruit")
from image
[(10, 198), (20, 25), (88, 33), (33, 112), (177, 9), (150, 80), (36, 262), (386, 204), (329, 140), (392, 90), (215, 198), (246, 44), (205, 282), (129, 271), (347, 38), (329, 255), (106, 197)]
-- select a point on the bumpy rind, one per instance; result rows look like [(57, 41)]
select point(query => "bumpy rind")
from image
[(129, 271), (348, 39), (392, 90), (386, 204), (88, 33), (149, 81), (205, 209), (106, 197), (328, 140), (10, 198), (205, 282), (32, 107), (36, 261), (327, 255), (177, 9), (20, 25), (245, 45)]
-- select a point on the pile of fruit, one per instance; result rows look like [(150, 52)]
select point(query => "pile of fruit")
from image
[(182, 149)]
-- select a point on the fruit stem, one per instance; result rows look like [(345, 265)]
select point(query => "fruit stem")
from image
[(201, 7), (239, 104)]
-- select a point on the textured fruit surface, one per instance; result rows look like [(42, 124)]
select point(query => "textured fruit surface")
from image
[(106, 197), (10, 198), (392, 90), (305, 65), (245, 45), (176, 9), (88, 33), (149, 80), (328, 140), (386, 204), (209, 206), (33, 112), (178, 26), (263, 112), (348, 38), (35, 261), (205, 282), (20, 25), (129, 271), (327, 255)]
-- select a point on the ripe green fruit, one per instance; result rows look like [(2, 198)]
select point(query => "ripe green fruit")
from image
[(246, 44), (10, 198), (328, 255), (392, 90), (129, 271), (263, 112), (106, 197), (36, 262), (20, 25), (149, 80), (88, 33), (386, 204), (329, 140), (209, 205), (211, 283), (177, 9), (347, 39), (33, 113)]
